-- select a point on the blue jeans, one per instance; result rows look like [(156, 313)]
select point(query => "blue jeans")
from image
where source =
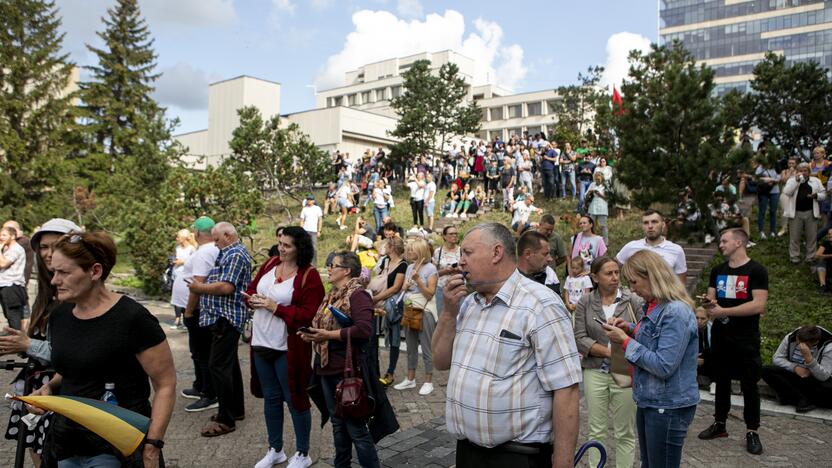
[(274, 380), (378, 216), (567, 176), (767, 201), (548, 184), (582, 187), (661, 435), (103, 460), (346, 433)]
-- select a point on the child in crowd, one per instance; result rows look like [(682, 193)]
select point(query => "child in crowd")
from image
[(576, 285)]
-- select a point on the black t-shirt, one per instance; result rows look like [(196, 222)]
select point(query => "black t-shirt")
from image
[(734, 287), (391, 278), (827, 249), (802, 201), (90, 353)]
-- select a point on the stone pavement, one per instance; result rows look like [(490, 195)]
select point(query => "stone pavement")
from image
[(789, 440)]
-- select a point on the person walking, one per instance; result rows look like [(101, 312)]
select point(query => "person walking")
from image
[(662, 347), (285, 295), (605, 392)]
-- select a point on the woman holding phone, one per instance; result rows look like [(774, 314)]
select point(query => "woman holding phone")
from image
[(285, 295)]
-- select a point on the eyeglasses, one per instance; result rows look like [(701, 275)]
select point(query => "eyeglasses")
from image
[(333, 265)]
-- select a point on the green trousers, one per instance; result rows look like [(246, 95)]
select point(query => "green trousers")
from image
[(603, 396)]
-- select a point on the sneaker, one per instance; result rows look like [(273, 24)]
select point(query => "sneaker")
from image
[(763, 236), (712, 388), (772, 235), (427, 389), (272, 458), (203, 404), (405, 384), (717, 429), (750, 244), (299, 461), (463, 216), (191, 393), (752, 443)]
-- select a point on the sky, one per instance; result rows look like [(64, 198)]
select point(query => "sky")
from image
[(308, 45)]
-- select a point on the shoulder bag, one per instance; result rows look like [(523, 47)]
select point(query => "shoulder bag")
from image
[(621, 371), (351, 399)]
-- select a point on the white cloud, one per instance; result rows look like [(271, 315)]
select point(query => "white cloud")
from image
[(619, 46), (284, 5), (409, 9), (183, 86), (380, 35)]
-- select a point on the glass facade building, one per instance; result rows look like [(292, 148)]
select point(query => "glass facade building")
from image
[(732, 36)]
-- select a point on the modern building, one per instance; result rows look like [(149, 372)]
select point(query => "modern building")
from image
[(732, 36)]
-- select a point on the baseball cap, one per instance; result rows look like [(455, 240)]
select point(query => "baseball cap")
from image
[(203, 224), (310, 197), (56, 226)]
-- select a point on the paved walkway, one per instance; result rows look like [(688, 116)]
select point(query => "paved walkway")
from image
[(789, 441)]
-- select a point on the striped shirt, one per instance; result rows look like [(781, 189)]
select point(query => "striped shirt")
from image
[(508, 358), (233, 265)]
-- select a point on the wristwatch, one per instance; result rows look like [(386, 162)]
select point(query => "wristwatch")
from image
[(159, 444)]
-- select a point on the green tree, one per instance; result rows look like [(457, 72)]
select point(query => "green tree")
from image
[(791, 103), (673, 133), (432, 109), (280, 158), (36, 112), (576, 109)]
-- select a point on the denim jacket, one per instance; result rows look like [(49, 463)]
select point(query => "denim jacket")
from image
[(663, 353)]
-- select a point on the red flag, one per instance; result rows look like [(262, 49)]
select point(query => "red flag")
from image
[(617, 101)]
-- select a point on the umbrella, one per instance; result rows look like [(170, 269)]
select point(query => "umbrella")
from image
[(122, 428)]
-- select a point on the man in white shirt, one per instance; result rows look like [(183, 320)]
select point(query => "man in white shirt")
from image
[(430, 199), (13, 295), (652, 223), (416, 184), (522, 210), (311, 220)]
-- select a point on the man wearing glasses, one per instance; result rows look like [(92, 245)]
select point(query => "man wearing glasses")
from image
[(446, 259)]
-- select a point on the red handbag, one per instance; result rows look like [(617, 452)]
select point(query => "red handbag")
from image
[(351, 400)]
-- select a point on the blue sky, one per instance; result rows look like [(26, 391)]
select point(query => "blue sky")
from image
[(525, 46)]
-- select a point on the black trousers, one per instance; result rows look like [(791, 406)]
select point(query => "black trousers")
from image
[(417, 208), (736, 358), (793, 389), (226, 376), (14, 301), (199, 343), (469, 455)]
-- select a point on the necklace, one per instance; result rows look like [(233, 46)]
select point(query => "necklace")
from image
[(282, 275)]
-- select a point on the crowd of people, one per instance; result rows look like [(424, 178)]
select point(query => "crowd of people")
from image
[(490, 308)]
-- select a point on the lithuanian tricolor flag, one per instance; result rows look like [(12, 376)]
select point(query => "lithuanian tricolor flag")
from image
[(123, 428)]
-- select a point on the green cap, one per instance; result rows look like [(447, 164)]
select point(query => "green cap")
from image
[(203, 224)]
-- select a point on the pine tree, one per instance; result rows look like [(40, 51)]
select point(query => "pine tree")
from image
[(36, 111), (127, 135)]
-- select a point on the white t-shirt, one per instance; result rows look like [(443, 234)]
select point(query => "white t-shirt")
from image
[(13, 274), (199, 263), (447, 260), (522, 212), (575, 286), (416, 193), (670, 252), (378, 198), (430, 191), (310, 216), (182, 253), (269, 330), (343, 192), (551, 277)]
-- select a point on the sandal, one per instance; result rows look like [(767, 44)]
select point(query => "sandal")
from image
[(236, 418), (215, 429)]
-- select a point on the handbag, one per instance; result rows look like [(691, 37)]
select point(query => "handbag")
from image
[(351, 399), (621, 371), (413, 315)]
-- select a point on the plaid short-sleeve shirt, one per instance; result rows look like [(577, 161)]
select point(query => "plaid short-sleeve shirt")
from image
[(233, 265), (508, 358)]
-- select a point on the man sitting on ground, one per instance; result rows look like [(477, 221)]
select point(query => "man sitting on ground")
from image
[(522, 211), (802, 367)]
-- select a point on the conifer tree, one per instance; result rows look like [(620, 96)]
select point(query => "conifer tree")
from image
[(36, 111)]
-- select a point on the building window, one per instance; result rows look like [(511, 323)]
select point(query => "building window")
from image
[(380, 94), (365, 97), (395, 91), (515, 111), (351, 99), (484, 117), (338, 100), (496, 113), (477, 97), (534, 108)]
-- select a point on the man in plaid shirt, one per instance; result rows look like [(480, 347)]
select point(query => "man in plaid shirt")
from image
[(514, 366), (222, 308)]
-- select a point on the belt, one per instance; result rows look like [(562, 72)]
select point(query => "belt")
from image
[(517, 447)]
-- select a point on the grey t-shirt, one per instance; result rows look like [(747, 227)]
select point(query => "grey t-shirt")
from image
[(427, 270), (13, 274)]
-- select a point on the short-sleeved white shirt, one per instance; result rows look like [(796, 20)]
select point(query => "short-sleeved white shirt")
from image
[(670, 252), (269, 330), (13, 274), (310, 216), (199, 263)]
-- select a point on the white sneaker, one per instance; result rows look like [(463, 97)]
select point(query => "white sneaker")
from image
[(272, 458), (763, 236), (463, 216), (405, 384), (299, 461), (427, 389), (712, 389)]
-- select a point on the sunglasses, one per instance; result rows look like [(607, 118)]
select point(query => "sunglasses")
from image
[(333, 265)]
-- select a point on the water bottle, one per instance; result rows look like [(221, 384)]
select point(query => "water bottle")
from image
[(109, 394)]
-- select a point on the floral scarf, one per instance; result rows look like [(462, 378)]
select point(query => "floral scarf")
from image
[(340, 299)]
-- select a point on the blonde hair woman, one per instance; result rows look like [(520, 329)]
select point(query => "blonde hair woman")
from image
[(185, 247), (662, 347), (419, 288)]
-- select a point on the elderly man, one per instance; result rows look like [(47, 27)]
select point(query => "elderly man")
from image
[(514, 366), (222, 308), (533, 259)]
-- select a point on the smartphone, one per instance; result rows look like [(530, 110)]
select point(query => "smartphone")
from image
[(188, 281), (245, 294), (600, 322), (304, 329)]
